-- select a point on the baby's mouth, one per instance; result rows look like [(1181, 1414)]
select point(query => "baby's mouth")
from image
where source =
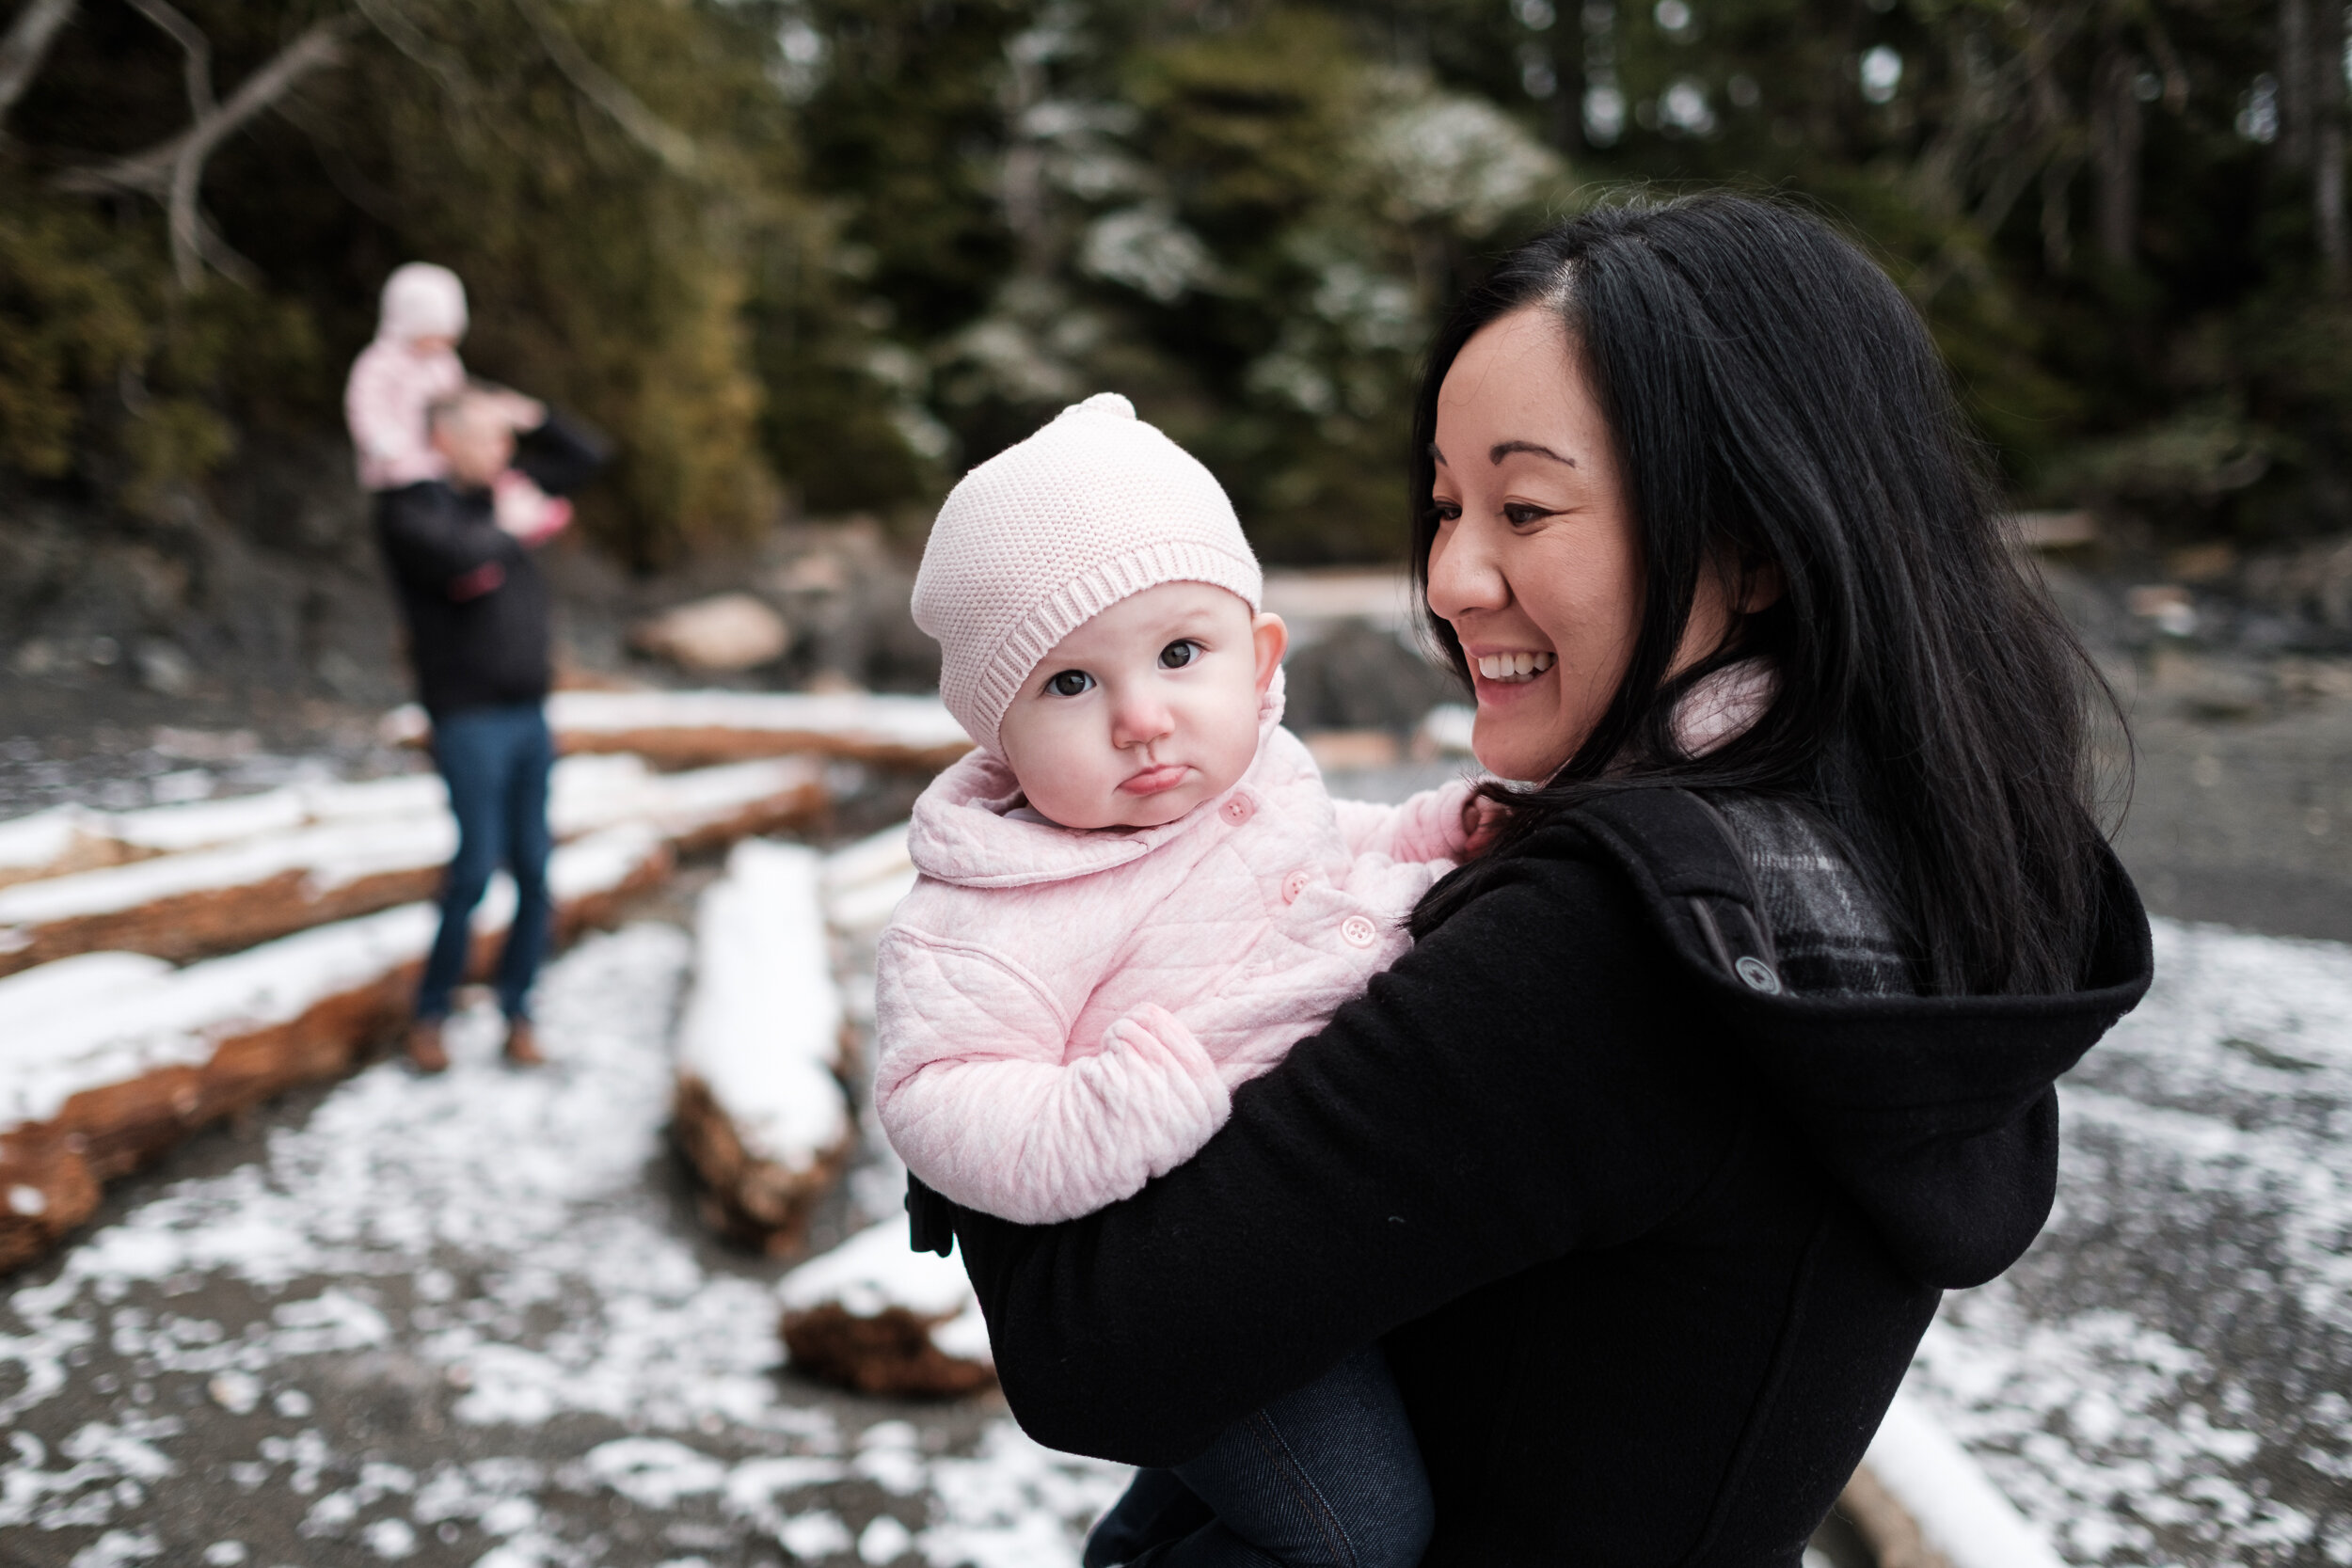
[(1506, 669), (1155, 780)]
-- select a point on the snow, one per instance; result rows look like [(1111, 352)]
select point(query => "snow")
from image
[(106, 1017), (341, 831), (763, 1027), (328, 856), (2162, 1378), (30, 843), (856, 719), (491, 1236)]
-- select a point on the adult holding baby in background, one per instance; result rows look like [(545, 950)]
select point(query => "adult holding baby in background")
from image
[(455, 516), (1732, 1045)]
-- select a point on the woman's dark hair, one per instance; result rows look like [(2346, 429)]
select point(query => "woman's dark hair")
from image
[(1778, 403)]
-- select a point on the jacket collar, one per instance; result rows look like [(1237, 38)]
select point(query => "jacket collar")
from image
[(960, 833)]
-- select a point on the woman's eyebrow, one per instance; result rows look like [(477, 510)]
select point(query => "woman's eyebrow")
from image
[(1505, 449)]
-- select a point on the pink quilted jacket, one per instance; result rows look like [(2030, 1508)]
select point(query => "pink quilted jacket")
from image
[(1064, 1015)]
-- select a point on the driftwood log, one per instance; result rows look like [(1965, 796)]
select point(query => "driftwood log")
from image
[(51, 1171), (202, 922), (890, 1353), (754, 1202)]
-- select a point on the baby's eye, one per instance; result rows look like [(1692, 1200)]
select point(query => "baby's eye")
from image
[(1176, 655), (1070, 683)]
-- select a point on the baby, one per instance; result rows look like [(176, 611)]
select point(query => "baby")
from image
[(410, 366), (1134, 898)]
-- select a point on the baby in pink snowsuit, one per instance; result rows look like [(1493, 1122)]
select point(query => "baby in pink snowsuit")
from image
[(1135, 897)]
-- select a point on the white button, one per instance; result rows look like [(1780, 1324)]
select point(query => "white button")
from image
[(1240, 808), (1295, 884), (1359, 931)]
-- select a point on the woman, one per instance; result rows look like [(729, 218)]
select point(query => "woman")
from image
[(1648, 1165)]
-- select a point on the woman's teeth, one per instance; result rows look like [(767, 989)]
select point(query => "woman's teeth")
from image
[(1515, 667)]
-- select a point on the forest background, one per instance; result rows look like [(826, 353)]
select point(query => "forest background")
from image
[(821, 254)]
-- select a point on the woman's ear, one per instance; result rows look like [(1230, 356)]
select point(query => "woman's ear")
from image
[(1272, 640)]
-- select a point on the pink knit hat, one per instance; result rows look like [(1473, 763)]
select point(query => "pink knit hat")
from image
[(422, 300), (1046, 536)]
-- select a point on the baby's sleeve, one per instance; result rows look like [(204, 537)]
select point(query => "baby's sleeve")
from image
[(1427, 827), (977, 1094)]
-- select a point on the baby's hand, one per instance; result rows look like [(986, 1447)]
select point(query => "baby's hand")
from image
[(1482, 823), (1153, 1028)]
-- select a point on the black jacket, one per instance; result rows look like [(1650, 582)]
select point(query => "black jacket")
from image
[(1649, 1249), (476, 605)]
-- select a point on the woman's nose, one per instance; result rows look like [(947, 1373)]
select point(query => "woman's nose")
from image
[(1463, 576)]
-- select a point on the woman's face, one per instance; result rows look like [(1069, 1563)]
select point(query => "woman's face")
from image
[(1536, 563)]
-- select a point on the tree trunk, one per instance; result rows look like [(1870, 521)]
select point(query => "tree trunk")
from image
[(2116, 135), (2327, 141), (2294, 81)]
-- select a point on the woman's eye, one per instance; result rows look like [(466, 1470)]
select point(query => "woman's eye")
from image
[(1519, 514), (1070, 683), (1446, 512), (1176, 655)]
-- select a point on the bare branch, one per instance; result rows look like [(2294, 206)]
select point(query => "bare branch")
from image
[(172, 173), (449, 71), (642, 125), (27, 45), (194, 45)]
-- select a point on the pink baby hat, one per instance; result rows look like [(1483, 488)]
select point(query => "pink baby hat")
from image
[(1047, 534)]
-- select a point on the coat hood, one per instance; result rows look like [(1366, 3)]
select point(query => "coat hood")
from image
[(960, 833), (1937, 1115)]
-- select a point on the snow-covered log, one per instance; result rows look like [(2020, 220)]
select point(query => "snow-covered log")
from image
[(187, 881), (877, 1316), (760, 1113), (684, 729), (864, 881), (108, 1058)]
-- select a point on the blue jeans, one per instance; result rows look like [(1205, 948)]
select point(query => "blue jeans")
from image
[(495, 761), (1327, 1476)]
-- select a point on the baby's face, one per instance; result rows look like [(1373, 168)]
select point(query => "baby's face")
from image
[(1145, 711)]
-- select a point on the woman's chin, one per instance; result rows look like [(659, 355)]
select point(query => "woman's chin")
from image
[(1518, 741)]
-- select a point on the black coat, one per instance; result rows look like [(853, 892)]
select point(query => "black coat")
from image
[(475, 603), (1649, 1250)]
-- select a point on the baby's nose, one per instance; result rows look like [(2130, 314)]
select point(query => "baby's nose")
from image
[(1140, 719)]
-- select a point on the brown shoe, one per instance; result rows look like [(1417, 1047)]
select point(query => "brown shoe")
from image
[(522, 1044), (426, 1052)]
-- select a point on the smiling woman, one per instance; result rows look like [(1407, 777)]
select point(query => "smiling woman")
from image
[(1711, 440)]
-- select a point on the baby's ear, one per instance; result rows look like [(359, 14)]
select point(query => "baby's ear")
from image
[(1272, 640)]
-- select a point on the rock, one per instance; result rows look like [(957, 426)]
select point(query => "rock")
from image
[(2312, 581), (164, 669), (724, 632)]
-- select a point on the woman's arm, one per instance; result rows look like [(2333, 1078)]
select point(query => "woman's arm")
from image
[(1530, 1080)]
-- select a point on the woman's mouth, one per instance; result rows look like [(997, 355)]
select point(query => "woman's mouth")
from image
[(1505, 668), (1155, 781)]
